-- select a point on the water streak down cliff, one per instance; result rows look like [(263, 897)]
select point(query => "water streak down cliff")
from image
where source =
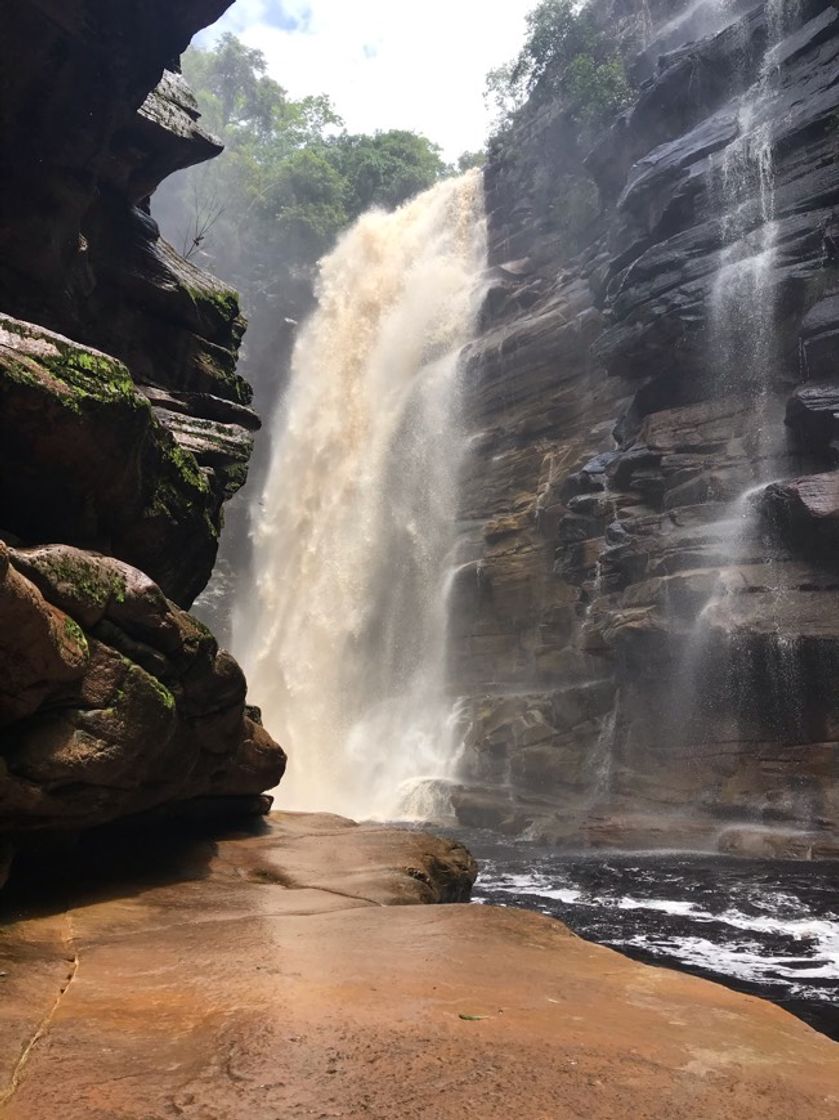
[(637, 634), (345, 637), (649, 657)]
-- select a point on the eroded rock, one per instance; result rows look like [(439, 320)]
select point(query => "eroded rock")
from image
[(247, 975), (82, 258), (124, 427), (114, 699)]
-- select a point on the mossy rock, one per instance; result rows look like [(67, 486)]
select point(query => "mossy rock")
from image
[(84, 460), (76, 376), (78, 582)]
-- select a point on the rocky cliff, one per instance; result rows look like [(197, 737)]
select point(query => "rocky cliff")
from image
[(646, 635), (123, 428)]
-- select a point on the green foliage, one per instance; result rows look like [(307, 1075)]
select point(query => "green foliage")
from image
[(565, 54), (384, 169), (558, 32), (161, 692), (88, 378), (468, 160), (92, 583), (596, 89), (307, 196), (290, 179), (75, 635)]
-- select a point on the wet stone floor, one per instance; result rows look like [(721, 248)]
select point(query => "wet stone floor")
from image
[(769, 928)]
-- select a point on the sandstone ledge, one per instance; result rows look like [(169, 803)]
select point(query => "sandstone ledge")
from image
[(260, 976)]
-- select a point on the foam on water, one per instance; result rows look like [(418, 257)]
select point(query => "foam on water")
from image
[(767, 929)]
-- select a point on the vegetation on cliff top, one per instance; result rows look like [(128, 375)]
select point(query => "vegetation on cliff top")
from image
[(566, 54), (290, 180)]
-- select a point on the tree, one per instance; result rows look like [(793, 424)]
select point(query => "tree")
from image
[(466, 161), (307, 195), (234, 87), (566, 54), (289, 181), (384, 169)]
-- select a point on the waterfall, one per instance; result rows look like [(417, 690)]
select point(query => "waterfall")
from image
[(744, 348), (344, 636), (742, 313)]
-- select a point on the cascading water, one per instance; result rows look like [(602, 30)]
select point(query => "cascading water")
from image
[(743, 340), (345, 637)]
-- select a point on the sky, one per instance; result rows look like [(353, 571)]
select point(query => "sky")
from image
[(387, 63)]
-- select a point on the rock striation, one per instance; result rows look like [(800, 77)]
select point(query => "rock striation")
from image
[(646, 638), (123, 428), (90, 125)]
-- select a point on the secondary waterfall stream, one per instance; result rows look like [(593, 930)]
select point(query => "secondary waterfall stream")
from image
[(743, 341), (344, 637)]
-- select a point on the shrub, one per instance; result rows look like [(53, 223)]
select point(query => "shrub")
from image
[(565, 54)]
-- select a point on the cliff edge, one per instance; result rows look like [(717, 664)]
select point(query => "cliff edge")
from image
[(123, 429)]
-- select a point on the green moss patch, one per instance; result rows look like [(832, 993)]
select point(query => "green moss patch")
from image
[(86, 376), (76, 636)]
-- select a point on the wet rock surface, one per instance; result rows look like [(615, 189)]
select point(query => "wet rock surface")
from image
[(230, 975), (646, 622), (768, 927)]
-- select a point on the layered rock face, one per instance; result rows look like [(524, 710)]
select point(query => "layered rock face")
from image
[(91, 123), (123, 428), (646, 639)]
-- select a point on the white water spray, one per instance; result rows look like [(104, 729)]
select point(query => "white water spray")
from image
[(345, 638), (744, 348), (743, 301)]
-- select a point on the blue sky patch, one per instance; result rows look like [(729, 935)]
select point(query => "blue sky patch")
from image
[(240, 17), (277, 16)]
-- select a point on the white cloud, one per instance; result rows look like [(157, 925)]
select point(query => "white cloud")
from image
[(387, 63)]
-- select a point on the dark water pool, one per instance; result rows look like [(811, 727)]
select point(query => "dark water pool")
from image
[(770, 928)]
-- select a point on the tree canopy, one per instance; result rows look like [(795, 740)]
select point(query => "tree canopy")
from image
[(567, 54), (290, 179)]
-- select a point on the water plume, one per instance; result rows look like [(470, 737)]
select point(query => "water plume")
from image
[(344, 638)]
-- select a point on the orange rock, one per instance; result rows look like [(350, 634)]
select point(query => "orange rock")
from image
[(268, 982)]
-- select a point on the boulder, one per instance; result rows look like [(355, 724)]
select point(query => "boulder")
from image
[(805, 511), (114, 701)]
